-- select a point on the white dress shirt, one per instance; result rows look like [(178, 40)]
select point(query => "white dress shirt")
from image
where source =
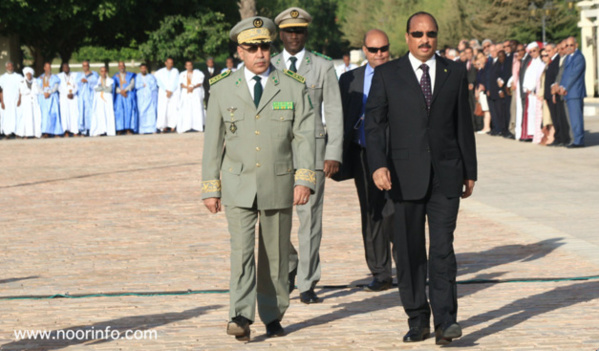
[(249, 78), (300, 57), (432, 69)]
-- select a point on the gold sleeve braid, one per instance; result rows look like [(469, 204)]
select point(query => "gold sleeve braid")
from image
[(211, 186), (306, 175)]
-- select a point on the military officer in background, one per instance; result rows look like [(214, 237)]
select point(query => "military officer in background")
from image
[(265, 118), (323, 89)]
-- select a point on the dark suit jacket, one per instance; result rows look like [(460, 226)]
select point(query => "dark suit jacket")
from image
[(550, 77), (499, 70), (351, 85), (207, 77), (418, 139)]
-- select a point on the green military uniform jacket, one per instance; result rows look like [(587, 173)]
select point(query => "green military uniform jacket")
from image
[(322, 84), (251, 151)]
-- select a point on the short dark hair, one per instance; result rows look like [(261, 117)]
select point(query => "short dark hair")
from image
[(421, 13), (143, 64)]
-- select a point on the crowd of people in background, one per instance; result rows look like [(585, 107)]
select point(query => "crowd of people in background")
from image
[(528, 92), (89, 103)]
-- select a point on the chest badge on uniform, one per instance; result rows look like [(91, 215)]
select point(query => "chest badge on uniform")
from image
[(233, 127), (282, 105)]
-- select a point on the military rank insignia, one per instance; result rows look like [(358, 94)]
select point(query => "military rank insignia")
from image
[(282, 105), (294, 76), (216, 79)]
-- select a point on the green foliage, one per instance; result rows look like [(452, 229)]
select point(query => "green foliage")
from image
[(187, 38), (101, 54)]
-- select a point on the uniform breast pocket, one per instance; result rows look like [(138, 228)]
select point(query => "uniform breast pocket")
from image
[(283, 123), (233, 124)]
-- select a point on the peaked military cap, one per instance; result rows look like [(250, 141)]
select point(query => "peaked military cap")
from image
[(293, 17), (253, 30)]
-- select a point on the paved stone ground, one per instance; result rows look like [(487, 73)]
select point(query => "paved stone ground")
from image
[(123, 214)]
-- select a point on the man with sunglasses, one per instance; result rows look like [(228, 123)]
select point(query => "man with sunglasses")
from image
[(323, 89), (264, 118), (421, 150), (573, 90), (355, 86)]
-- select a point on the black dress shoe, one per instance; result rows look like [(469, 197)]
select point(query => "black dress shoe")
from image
[(274, 328), (377, 285), (509, 135), (309, 297), (494, 133), (240, 328), (444, 336), (416, 334), (555, 143), (292, 275), (575, 146)]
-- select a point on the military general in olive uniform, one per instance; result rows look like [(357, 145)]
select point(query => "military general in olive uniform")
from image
[(259, 161), (323, 89)]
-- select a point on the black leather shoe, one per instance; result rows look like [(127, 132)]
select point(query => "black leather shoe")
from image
[(417, 334), (292, 275), (509, 135), (444, 336), (309, 297), (240, 328), (274, 328), (575, 146), (377, 285)]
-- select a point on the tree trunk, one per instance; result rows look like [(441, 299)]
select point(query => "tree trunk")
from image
[(38, 60), (247, 8), (65, 57)]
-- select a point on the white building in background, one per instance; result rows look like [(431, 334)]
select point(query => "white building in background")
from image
[(589, 23)]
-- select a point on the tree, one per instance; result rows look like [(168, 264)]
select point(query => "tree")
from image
[(187, 38)]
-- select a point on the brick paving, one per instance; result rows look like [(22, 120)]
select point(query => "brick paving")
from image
[(123, 214)]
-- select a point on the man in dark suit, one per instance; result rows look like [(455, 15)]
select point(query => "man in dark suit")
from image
[(499, 76), (354, 86), (548, 95), (427, 162), (471, 71), (210, 71)]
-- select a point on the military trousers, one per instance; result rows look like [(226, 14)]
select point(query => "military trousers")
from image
[(271, 286), (307, 261)]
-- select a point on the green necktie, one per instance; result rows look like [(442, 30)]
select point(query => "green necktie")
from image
[(257, 90), (292, 67)]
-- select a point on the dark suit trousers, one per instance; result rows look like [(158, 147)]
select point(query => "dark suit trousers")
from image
[(494, 109), (376, 225), (409, 246), (561, 122)]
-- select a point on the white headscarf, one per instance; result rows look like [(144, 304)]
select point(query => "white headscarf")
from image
[(28, 70), (532, 45)]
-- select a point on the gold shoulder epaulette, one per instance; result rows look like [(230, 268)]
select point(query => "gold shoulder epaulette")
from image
[(216, 79), (295, 76), (321, 55)]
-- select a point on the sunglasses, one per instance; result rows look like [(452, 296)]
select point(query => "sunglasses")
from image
[(544, 55), (419, 34), (297, 30), (375, 50), (253, 48)]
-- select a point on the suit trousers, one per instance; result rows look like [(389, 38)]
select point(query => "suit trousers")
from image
[(561, 122), (271, 288), (409, 246), (575, 111), (494, 110), (309, 233), (376, 224), (500, 109)]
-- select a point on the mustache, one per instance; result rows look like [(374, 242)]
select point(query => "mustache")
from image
[(428, 46)]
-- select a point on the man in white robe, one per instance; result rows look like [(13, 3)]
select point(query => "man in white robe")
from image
[(529, 87), (69, 105), (345, 66), (167, 79), (191, 107), (102, 122), (30, 115), (9, 98)]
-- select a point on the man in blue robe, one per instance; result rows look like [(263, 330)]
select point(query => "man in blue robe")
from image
[(147, 100), (125, 104), (86, 81), (49, 104)]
